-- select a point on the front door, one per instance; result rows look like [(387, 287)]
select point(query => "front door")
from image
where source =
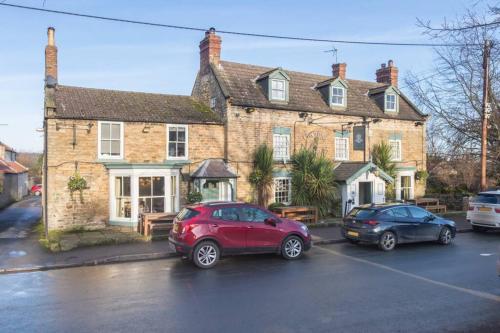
[(365, 193), (261, 237)]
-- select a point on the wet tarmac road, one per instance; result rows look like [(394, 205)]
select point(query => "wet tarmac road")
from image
[(338, 288)]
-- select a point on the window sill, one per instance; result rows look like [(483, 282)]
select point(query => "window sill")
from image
[(111, 160)]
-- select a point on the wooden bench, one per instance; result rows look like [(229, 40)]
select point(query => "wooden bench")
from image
[(148, 222), (431, 204), (304, 214)]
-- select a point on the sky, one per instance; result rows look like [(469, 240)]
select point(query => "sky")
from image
[(122, 56)]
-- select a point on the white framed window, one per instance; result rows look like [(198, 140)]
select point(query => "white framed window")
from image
[(342, 149), (391, 103), (110, 140), (123, 203), (177, 142), (151, 194), (395, 149), (338, 96), (278, 90), (213, 103), (283, 190), (281, 146)]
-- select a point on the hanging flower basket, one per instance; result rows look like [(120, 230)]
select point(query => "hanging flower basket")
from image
[(77, 183)]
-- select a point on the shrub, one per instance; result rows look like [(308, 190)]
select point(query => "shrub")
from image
[(313, 182), (262, 175), (194, 197)]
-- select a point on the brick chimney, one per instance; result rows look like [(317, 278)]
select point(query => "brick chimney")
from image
[(50, 58), (209, 50), (388, 74), (338, 70)]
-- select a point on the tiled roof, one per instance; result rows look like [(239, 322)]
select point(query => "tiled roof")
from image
[(12, 167), (213, 168), (103, 104), (239, 82)]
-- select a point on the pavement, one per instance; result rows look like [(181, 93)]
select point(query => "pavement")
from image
[(341, 287), (20, 250)]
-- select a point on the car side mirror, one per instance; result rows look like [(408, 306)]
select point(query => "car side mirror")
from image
[(270, 221), (430, 218)]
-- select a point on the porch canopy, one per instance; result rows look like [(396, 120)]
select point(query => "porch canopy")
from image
[(347, 172), (215, 180)]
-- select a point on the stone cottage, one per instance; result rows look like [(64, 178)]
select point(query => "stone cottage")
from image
[(142, 152), (13, 177)]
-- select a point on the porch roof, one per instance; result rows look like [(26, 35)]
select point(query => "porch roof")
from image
[(349, 171), (213, 168)]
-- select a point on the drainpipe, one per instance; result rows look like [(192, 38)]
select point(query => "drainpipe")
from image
[(45, 176)]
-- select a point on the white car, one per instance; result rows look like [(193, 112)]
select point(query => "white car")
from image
[(484, 211)]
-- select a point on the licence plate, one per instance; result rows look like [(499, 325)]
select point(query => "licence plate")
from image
[(353, 233), (484, 209)]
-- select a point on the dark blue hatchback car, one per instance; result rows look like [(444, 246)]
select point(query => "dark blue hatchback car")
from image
[(390, 224)]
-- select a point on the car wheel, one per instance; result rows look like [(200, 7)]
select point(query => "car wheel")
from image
[(206, 254), (387, 241), (37, 193), (292, 248), (445, 236)]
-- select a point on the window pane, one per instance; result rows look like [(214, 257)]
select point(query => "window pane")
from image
[(172, 134), (229, 214), (105, 131), (181, 149), (158, 186), (172, 149), (181, 134), (123, 207), (144, 205), (282, 187), (399, 212), (105, 147), (115, 148), (158, 205), (281, 146), (144, 186), (118, 187), (418, 213), (115, 131), (126, 186)]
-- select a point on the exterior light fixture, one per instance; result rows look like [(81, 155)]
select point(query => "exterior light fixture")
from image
[(249, 110), (418, 123), (146, 129)]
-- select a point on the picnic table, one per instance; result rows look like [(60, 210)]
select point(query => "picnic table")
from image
[(149, 222), (306, 214), (431, 204)]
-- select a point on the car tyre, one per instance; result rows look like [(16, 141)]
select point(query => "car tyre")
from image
[(387, 241), (292, 248), (445, 236), (37, 193), (206, 254)]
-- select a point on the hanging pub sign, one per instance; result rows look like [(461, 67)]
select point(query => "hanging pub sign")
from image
[(359, 138)]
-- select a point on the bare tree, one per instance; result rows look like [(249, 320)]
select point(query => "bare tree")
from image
[(452, 95)]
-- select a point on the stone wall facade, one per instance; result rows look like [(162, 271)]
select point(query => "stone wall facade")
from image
[(70, 151)]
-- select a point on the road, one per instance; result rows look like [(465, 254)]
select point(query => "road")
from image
[(336, 288)]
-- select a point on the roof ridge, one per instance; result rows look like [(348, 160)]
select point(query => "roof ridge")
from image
[(123, 91)]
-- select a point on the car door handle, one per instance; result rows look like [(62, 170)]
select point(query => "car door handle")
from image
[(214, 225), (250, 227)]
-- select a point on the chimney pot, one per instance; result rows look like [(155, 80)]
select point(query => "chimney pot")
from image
[(390, 63)]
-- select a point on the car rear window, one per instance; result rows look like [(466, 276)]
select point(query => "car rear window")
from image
[(486, 198), (186, 214), (362, 212)]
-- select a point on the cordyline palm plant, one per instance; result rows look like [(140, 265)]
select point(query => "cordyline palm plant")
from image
[(262, 175), (382, 157), (313, 183)]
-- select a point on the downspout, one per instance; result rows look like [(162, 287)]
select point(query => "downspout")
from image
[(45, 176)]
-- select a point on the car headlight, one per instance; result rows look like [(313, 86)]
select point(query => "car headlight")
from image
[(304, 227)]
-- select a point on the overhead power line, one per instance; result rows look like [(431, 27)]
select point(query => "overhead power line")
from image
[(474, 26), (248, 34)]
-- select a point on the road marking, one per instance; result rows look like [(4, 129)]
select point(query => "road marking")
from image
[(476, 293), (486, 254)]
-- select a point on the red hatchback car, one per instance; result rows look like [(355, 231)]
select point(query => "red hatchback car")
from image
[(205, 232)]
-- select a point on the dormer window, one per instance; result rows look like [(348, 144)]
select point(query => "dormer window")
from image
[(338, 96), (278, 90), (391, 102)]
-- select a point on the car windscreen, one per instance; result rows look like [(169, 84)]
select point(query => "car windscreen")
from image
[(186, 214), (362, 213), (486, 198)]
